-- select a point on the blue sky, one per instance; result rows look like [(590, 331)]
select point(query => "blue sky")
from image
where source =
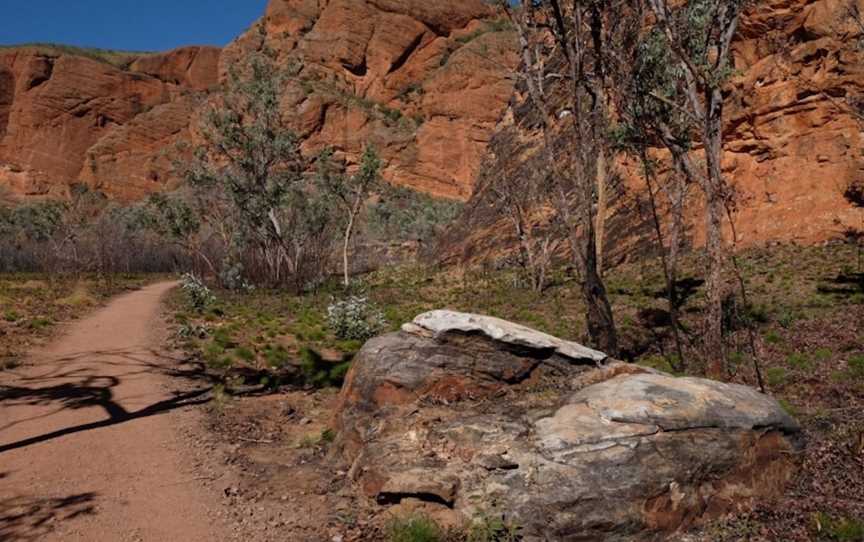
[(135, 25)]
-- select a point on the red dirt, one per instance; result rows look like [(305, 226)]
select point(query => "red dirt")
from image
[(89, 441)]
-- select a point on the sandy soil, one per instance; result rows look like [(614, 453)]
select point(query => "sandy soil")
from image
[(90, 445)]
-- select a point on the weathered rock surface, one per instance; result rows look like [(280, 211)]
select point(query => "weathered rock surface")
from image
[(62, 116), (425, 82), (793, 139), (563, 447)]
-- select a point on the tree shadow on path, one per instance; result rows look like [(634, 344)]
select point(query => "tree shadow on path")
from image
[(76, 388), (29, 519)]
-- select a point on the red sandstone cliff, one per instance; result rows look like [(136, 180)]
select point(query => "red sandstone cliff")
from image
[(426, 83), (793, 139), (63, 117)]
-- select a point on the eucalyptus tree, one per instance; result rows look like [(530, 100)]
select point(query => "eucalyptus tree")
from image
[(699, 34), (567, 51), (255, 161), (350, 193)]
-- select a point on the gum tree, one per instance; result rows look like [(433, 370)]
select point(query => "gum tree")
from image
[(565, 50), (699, 36), (350, 193)]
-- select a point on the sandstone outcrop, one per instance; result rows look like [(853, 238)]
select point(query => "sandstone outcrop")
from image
[(491, 419), (424, 82), (428, 83), (62, 115), (793, 139)]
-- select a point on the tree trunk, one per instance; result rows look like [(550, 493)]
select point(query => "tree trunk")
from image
[(600, 219), (601, 323), (347, 241), (714, 194)]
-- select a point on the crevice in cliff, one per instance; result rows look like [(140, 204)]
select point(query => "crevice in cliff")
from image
[(40, 78), (7, 97), (406, 54)]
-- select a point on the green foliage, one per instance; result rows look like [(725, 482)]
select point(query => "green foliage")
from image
[(856, 367), (492, 528), (414, 528), (788, 407), (775, 376), (197, 293), (277, 356), (39, 323), (319, 373), (170, 217), (256, 163), (772, 337), (786, 318), (245, 354), (839, 529), (403, 214), (355, 318), (799, 360)]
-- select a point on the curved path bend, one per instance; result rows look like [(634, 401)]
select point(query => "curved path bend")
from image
[(89, 446)]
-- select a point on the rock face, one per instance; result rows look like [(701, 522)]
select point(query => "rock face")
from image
[(424, 82), (66, 118), (793, 139), (489, 419), (428, 83)]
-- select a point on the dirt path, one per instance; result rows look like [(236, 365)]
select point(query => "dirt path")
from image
[(89, 446)]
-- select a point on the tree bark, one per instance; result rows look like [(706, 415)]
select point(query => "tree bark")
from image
[(715, 203)]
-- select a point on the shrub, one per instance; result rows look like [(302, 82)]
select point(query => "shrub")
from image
[(492, 528), (355, 318), (199, 295), (773, 338), (838, 529), (413, 529), (856, 367), (775, 376), (798, 360), (318, 372)]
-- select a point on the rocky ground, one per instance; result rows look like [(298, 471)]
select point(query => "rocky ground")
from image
[(277, 468)]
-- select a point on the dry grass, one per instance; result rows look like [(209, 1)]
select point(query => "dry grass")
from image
[(31, 306)]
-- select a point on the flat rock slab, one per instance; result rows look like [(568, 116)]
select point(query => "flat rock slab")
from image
[(440, 322)]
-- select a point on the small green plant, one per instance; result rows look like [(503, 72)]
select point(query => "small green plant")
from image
[(415, 528), (839, 529), (786, 319), (772, 337), (277, 356), (788, 407), (37, 324), (798, 360), (318, 372), (198, 294), (245, 354), (11, 316), (822, 354), (220, 397), (492, 528), (856, 367), (775, 376), (355, 318)]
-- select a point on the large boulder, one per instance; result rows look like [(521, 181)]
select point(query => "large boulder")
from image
[(482, 416)]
